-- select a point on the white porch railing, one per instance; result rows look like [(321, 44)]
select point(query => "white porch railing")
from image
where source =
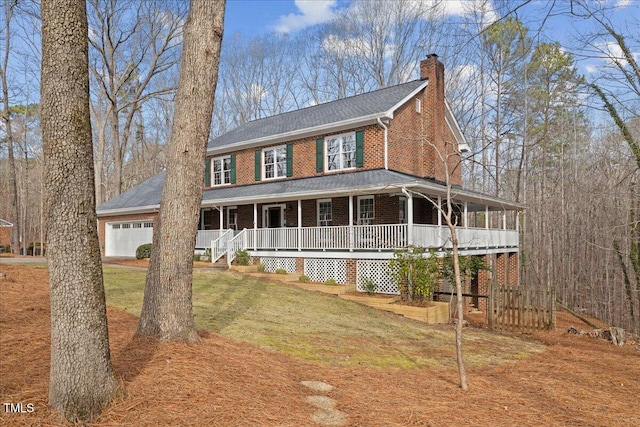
[(359, 237), (204, 237), (238, 242), (439, 236), (219, 245)]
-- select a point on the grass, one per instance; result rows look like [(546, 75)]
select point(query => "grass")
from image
[(318, 327)]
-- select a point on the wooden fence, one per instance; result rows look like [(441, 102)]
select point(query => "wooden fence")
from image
[(515, 308)]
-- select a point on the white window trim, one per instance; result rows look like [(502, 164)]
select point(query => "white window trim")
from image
[(404, 220), (318, 210), (213, 172), (263, 165), (359, 219), (229, 208), (325, 153), (418, 106)]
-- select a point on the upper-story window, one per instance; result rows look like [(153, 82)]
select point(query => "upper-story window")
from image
[(221, 170), (341, 151), (274, 162)]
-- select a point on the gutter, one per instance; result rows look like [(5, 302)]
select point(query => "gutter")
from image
[(386, 142)]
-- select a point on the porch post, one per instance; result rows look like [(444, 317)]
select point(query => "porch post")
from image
[(409, 218), (299, 224), (350, 223), (221, 210), (504, 219), (486, 217), (255, 226), (517, 221), (466, 213), (439, 211)]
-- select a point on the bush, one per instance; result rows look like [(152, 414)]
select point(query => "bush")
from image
[(281, 271), (144, 251), (304, 279), (261, 268), (196, 257), (369, 286), (330, 282), (415, 272), (243, 257)]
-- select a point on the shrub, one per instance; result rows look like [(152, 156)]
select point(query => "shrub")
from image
[(304, 279), (144, 251), (196, 257), (330, 282), (261, 268), (369, 286), (415, 273), (243, 257), (281, 271)]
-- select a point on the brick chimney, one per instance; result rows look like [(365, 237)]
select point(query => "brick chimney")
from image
[(438, 138)]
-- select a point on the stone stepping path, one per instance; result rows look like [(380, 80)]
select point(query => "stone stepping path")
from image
[(327, 414)]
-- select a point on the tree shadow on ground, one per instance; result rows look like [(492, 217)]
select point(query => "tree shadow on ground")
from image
[(243, 296)]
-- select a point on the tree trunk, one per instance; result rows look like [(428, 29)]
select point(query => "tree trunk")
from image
[(82, 381), (167, 307), (6, 118)]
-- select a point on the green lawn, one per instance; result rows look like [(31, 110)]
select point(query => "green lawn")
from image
[(318, 327)]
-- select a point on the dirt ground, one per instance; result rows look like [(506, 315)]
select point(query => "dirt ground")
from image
[(577, 381)]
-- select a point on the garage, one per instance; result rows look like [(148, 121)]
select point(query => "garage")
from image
[(123, 238)]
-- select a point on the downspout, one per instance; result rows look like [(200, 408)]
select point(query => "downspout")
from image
[(386, 143)]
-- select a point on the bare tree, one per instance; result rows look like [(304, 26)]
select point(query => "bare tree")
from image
[(167, 311), (132, 43), (9, 9), (82, 381)]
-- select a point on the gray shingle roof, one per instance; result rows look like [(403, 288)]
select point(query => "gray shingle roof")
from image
[(148, 193), (371, 103)]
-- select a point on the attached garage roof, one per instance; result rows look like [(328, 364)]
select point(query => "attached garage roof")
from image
[(146, 196)]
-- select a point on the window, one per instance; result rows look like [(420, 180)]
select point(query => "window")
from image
[(324, 213), (341, 151), (275, 162), (137, 225), (418, 106), (366, 211), (221, 170), (232, 218), (402, 211), (115, 226), (126, 225), (148, 225)]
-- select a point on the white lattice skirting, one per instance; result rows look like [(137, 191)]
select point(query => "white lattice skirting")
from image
[(321, 270), (271, 264), (379, 272)]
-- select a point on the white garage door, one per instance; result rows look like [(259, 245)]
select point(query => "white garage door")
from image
[(123, 238)]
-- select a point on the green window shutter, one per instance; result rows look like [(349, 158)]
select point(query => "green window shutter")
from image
[(319, 154), (233, 169), (289, 159), (258, 165), (207, 172), (359, 148)]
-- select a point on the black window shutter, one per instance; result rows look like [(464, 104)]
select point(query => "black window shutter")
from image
[(258, 165), (207, 172), (359, 148), (319, 155), (289, 159), (233, 169)]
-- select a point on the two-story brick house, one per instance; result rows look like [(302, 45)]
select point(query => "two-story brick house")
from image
[(331, 190)]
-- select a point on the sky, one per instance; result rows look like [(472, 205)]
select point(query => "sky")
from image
[(258, 17)]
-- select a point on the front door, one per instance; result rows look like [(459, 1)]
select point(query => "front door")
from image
[(274, 217)]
